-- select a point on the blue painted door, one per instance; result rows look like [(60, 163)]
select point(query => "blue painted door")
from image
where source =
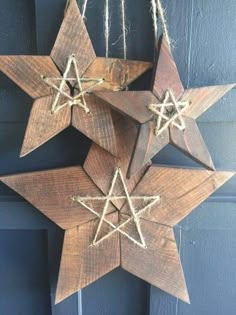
[(30, 245)]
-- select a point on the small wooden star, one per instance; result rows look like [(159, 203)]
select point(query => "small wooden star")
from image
[(57, 106), (157, 126), (112, 221)]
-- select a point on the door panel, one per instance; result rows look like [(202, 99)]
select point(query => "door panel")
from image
[(24, 285), (30, 245)]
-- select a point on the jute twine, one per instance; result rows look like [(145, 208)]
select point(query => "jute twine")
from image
[(135, 215), (79, 99), (169, 112)]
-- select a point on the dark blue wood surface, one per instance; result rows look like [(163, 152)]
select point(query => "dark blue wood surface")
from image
[(30, 244)]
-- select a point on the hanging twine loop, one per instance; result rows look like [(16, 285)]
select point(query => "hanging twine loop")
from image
[(168, 113), (124, 28), (135, 215), (79, 99), (158, 11), (107, 26)]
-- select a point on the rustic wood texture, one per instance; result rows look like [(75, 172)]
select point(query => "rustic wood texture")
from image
[(131, 103), (82, 264), (51, 192), (181, 191), (203, 98), (191, 143), (159, 264), (26, 72), (43, 125), (98, 125), (134, 105), (73, 38), (117, 73), (166, 76), (100, 165), (146, 146)]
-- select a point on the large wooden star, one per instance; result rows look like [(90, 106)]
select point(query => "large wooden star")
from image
[(161, 116), (62, 97), (112, 221)]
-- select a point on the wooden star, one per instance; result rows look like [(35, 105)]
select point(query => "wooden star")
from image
[(58, 105), (112, 221), (157, 126)]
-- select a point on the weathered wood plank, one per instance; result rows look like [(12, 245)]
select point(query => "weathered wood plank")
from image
[(81, 263), (194, 186), (26, 72), (98, 125), (203, 98), (166, 75), (43, 125), (191, 143), (73, 38), (159, 264), (100, 165), (117, 73), (51, 192)]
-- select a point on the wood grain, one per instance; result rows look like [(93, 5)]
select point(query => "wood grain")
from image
[(191, 143), (43, 125), (131, 103), (98, 125), (100, 165), (82, 264), (73, 38), (159, 264), (203, 98), (51, 191), (26, 72), (117, 73), (146, 147), (181, 191), (166, 76)]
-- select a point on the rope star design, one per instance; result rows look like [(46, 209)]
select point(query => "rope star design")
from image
[(62, 89), (169, 112), (135, 215)]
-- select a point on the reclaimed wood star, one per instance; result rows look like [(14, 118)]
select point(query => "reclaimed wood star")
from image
[(112, 221), (61, 85), (166, 113)]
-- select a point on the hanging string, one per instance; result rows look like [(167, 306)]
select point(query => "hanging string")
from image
[(84, 8), (157, 10), (107, 26), (155, 21), (124, 29)]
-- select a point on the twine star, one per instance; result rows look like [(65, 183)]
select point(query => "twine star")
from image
[(62, 89), (169, 112), (135, 215), (156, 127)]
